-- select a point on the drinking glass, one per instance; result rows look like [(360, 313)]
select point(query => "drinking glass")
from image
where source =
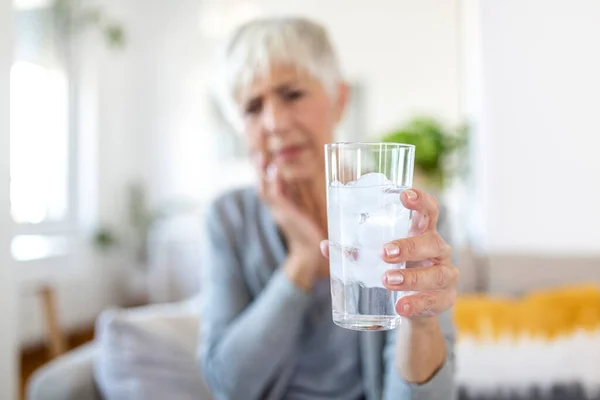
[(364, 211)]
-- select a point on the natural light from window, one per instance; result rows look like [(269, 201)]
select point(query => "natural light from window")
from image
[(39, 144)]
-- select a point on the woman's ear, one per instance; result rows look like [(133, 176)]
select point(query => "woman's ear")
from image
[(343, 95)]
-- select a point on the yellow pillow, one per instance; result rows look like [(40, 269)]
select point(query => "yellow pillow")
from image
[(547, 313)]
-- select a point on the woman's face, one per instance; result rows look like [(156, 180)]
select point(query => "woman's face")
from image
[(287, 118)]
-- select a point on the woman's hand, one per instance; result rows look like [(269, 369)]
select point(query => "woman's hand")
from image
[(301, 215), (420, 344), (429, 271)]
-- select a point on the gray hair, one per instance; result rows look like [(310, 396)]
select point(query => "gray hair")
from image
[(255, 46)]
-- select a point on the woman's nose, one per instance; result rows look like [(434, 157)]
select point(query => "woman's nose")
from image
[(276, 118)]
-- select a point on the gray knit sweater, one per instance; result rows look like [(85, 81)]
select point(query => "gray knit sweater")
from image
[(255, 322)]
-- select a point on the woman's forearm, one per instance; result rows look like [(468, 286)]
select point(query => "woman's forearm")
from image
[(242, 361), (420, 349)]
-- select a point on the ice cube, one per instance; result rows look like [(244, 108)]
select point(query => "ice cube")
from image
[(391, 194), (335, 210), (377, 229), (346, 198), (401, 219), (368, 257), (369, 275), (343, 225), (360, 200), (333, 195), (334, 226), (372, 179), (335, 260), (363, 195), (374, 277)]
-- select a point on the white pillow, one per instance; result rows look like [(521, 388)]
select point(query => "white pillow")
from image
[(149, 353), (485, 366)]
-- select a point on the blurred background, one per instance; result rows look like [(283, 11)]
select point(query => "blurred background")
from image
[(112, 145)]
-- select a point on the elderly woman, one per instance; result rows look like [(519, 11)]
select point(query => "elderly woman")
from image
[(267, 331)]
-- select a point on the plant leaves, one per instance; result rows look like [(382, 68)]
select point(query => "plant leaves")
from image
[(434, 145)]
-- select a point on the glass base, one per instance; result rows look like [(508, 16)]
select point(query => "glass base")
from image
[(366, 322)]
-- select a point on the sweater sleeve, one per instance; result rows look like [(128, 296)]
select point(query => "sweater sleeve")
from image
[(244, 340)]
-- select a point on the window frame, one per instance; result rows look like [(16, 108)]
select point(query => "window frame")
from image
[(69, 225)]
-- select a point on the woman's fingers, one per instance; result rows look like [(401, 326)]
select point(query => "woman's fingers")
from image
[(262, 179), (267, 171), (427, 210), (275, 192), (416, 248), (425, 304), (273, 186), (324, 245), (305, 202), (435, 277), (312, 204)]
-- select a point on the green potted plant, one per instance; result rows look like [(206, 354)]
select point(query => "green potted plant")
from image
[(439, 154), (73, 17)]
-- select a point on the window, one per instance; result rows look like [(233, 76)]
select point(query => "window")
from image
[(42, 142), (39, 144)]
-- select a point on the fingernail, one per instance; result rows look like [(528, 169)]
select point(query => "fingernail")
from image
[(391, 250), (258, 159), (406, 308), (395, 278), (411, 194), (271, 171)]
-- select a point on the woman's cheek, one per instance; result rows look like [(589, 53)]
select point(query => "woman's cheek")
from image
[(257, 159), (254, 141)]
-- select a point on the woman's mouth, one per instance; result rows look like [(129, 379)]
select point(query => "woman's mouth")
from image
[(289, 153)]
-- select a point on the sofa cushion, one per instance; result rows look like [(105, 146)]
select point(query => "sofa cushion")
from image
[(549, 338), (149, 353), (69, 377)]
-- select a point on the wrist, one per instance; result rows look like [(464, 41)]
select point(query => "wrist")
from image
[(420, 349), (421, 324), (300, 273)]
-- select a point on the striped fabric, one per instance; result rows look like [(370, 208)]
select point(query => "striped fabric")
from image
[(545, 345)]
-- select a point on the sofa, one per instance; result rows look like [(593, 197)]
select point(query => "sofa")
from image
[(150, 352), (133, 347), (140, 353)]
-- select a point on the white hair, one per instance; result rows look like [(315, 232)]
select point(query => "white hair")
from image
[(257, 45)]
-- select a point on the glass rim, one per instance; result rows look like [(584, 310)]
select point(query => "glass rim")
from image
[(358, 145)]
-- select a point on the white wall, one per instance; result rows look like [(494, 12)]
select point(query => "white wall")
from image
[(406, 53), (152, 118), (146, 112), (7, 295), (538, 126), (153, 109)]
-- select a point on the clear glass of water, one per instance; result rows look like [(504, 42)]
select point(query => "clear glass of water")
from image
[(364, 211)]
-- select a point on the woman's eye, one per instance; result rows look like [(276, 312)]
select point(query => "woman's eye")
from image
[(252, 108), (294, 95)]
